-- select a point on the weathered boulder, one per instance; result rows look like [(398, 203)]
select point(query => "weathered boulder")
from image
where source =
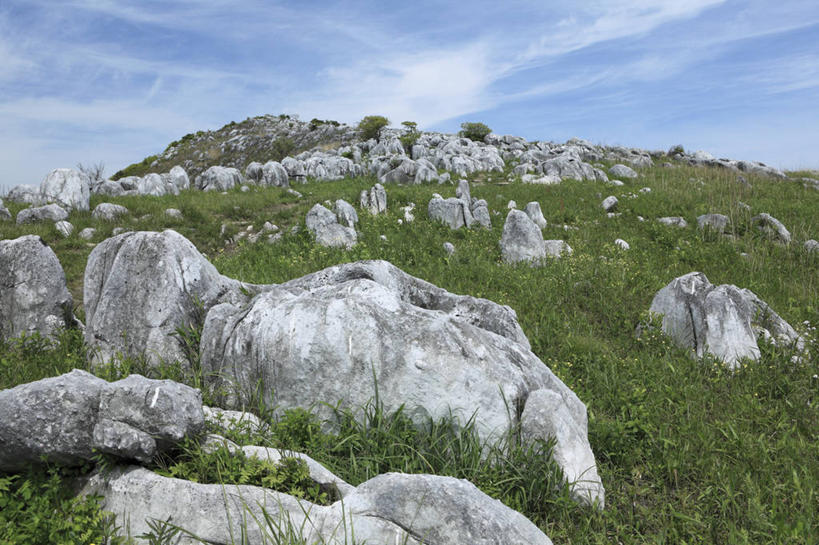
[(622, 244), (374, 200), (88, 233), (65, 419), (609, 204), (770, 226), (335, 335), (141, 286), (521, 239), (153, 185), (218, 178), (111, 188), (345, 213), (622, 171), (49, 212), (557, 248), (324, 225), (177, 178), (724, 320), (33, 293), (535, 214), (480, 212), (65, 228), (454, 212), (107, 211), (673, 221), (69, 188), (272, 174), (812, 246), (719, 223), (390, 508), (25, 194)]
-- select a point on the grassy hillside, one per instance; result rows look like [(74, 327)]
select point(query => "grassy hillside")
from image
[(688, 452)]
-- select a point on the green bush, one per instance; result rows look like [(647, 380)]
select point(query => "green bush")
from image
[(281, 148), (408, 140), (371, 125), (474, 131), (676, 150)]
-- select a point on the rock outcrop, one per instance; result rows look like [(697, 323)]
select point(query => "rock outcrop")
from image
[(325, 226), (69, 188)]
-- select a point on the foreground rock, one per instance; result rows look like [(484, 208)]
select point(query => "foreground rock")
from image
[(65, 419), (140, 287), (390, 508), (334, 335), (33, 293), (724, 320)]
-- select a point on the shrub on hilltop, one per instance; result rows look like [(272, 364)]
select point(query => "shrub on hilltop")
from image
[(371, 125)]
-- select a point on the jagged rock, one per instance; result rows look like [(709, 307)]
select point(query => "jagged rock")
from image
[(521, 239), (49, 212), (65, 419), (765, 223), (622, 244), (69, 188), (153, 185), (295, 169), (462, 191), (374, 201), (622, 171), (715, 222), (272, 173), (110, 188), (64, 228), (33, 293), (556, 248), (459, 355), (453, 211), (390, 508), (140, 287), (345, 213), (218, 178), (109, 212), (88, 233), (724, 320), (480, 213), (673, 221), (25, 194), (535, 214), (328, 232), (449, 248), (177, 178), (609, 204)]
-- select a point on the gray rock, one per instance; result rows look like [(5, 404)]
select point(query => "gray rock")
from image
[(622, 244), (178, 179), (480, 213), (724, 320), (356, 325), (49, 212), (622, 171), (69, 188), (715, 222), (462, 191), (110, 188), (64, 228), (535, 214), (557, 248), (609, 204), (218, 178), (374, 201), (109, 212), (273, 174), (295, 169), (233, 420), (173, 213), (51, 418), (521, 239), (673, 221), (33, 293), (812, 246), (25, 194), (328, 232), (449, 248), (88, 233), (5, 215), (152, 185), (345, 213), (764, 223), (390, 508), (453, 211), (140, 287)]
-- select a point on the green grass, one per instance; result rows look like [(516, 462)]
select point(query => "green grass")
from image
[(688, 452)]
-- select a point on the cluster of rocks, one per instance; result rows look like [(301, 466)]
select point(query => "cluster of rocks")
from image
[(169, 183), (703, 158), (460, 211)]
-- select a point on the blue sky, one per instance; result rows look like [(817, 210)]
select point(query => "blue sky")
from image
[(114, 81)]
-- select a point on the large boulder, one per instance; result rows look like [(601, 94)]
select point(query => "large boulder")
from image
[(390, 508), (65, 419), (454, 212), (218, 178), (25, 194), (724, 320), (69, 188), (339, 334), (141, 286), (521, 239), (177, 178), (324, 225), (622, 171), (33, 293), (49, 212), (107, 211)]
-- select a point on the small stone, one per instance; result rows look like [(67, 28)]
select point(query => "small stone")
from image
[(65, 228), (449, 248), (87, 233), (609, 203), (173, 213), (622, 244), (512, 205)]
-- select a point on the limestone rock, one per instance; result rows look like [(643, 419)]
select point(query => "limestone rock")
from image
[(374, 200), (609, 204), (69, 188), (109, 212), (535, 214), (557, 248), (521, 239), (673, 221), (64, 228), (88, 233), (49, 212), (33, 292), (218, 178), (328, 231), (453, 212), (345, 213), (765, 223), (622, 171), (724, 320), (719, 223)]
